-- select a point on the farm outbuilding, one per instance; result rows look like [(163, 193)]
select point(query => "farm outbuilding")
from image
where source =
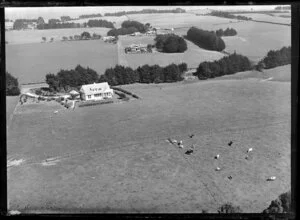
[(74, 94), (96, 91)]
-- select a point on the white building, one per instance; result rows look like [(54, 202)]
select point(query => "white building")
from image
[(96, 91)]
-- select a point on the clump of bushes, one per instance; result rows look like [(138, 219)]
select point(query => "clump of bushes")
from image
[(205, 39), (225, 14), (227, 32), (229, 208), (227, 65), (95, 103), (12, 85), (275, 58), (128, 27), (170, 43), (280, 205)]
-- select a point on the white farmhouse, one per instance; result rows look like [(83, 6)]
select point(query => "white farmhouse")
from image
[(96, 91)]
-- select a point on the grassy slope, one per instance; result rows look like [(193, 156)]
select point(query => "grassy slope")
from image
[(128, 166), (281, 73), (31, 62)]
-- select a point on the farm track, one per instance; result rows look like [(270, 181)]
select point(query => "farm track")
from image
[(145, 140)]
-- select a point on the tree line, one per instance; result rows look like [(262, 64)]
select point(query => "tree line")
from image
[(55, 24), (170, 43), (22, 23), (90, 16), (120, 75), (275, 58), (205, 39), (227, 65), (129, 27), (12, 85), (145, 11), (227, 32), (64, 80), (225, 14)]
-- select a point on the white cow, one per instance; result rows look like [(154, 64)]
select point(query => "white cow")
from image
[(217, 157), (180, 142), (218, 168), (55, 112), (249, 150), (181, 146), (272, 178)]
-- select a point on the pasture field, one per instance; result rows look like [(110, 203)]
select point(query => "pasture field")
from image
[(35, 36), (265, 17), (253, 40), (115, 158), (280, 74), (31, 62), (193, 56)]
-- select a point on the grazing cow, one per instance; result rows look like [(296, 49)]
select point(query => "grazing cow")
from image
[(174, 141), (230, 143), (230, 177), (218, 169), (188, 152), (55, 112), (216, 157), (246, 157), (249, 150), (180, 142), (272, 178), (191, 136), (181, 146)]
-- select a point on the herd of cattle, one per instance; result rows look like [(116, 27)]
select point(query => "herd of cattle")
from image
[(192, 147)]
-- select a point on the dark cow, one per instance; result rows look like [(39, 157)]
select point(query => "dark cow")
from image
[(230, 143), (188, 152)]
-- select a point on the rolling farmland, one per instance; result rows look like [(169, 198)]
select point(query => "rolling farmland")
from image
[(31, 62)]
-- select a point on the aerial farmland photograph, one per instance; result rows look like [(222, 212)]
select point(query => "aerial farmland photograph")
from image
[(148, 109)]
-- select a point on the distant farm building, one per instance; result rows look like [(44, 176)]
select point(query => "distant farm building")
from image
[(96, 91), (109, 38), (136, 34), (151, 32), (137, 48)]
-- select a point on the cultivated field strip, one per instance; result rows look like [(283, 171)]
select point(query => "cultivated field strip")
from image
[(145, 140)]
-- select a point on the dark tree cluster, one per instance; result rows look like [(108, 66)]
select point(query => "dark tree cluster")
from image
[(57, 25), (275, 58), (139, 26), (90, 16), (145, 11), (283, 8), (170, 43), (229, 208), (280, 205), (121, 31), (225, 14), (121, 75), (22, 23), (226, 32), (65, 18), (227, 65), (205, 39), (100, 23), (74, 78), (12, 85)]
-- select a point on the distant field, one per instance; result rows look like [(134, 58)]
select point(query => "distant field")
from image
[(115, 158), (254, 39), (35, 36), (193, 56), (266, 17), (31, 62)]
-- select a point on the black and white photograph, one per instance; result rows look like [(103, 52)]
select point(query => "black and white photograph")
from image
[(148, 109)]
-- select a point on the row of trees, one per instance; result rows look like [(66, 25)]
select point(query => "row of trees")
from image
[(227, 65), (145, 11), (170, 43), (66, 79), (275, 58), (121, 75), (22, 23), (90, 16), (56, 24), (205, 39), (82, 36), (129, 27), (225, 14), (12, 85), (227, 32)]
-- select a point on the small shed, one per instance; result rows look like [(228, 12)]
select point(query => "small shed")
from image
[(74, 94)]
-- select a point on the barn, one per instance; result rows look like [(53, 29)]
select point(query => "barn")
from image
[(96, 91)]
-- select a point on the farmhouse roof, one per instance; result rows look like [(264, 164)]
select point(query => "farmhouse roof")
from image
[(95, 88), (73, 92)]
